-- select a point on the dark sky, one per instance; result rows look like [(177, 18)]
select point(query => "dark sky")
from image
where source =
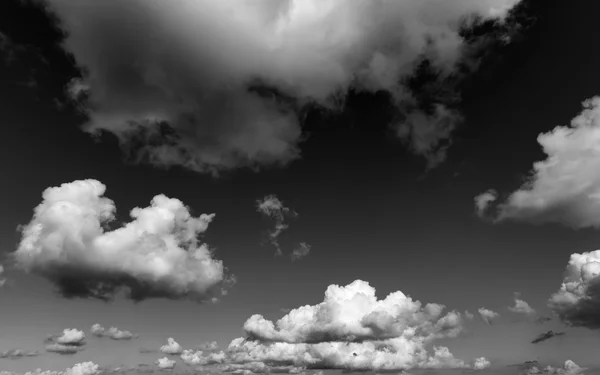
[(369, 208)]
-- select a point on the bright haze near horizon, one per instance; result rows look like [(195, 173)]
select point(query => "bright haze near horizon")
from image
[(299, 186)]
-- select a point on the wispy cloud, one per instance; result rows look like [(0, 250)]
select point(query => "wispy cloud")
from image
[(546, 336), (487, 315), (302, 250), (18, 353), (272, 207)]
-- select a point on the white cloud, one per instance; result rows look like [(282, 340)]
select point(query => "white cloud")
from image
[(63, 349), (301, 251), (353, 330), (274, 208), (157, 254), (172, 347), (166, 363), (487, 315), (194, 358), (71, 336), (569, 368), (192, 66), (481, 363), (113, 332), (469, 315), (522, 307), (565, 187), (2, 280), (483, 201), (577, 302), (84, 368)]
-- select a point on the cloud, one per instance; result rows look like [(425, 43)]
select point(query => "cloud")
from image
[(543, 319), (569, 368), (352, 330), (577, 302), (546, 336), (481, 363), (565, 187), (156, 255), (216, 85), (301, 251), (172, 347), (2, 280), (113, 333), (274, 208), (521, 307), (469, 315), (487, 315), (195, 358), (18, 353), (84, 368), (70, 336), (483, 201), (166, 363), (63, 349)]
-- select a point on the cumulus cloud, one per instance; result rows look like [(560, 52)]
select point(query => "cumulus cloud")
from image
[(113, 332), (521, 307), (172, 347), (272, 207), (569, 368), (195, 358), (18, 353), (215, 85), (166, 363), (577, 302), (63, 349), (565, 187), (352, 330), (69, 336), (84, 368), (301, 251), (481, 363), (487, 315), (546, 336), (483, 201), (156, 255)]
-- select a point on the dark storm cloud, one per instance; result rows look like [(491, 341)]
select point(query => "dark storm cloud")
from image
[(546, 336), (215, 85)]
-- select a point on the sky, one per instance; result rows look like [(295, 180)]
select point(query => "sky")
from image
[(354, 155)]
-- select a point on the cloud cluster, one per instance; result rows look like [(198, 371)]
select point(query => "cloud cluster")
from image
[(172, 347), (84, 368), (166, 363), (352, 330), (565, 187), (521, 307), (215, 85), (69, 342), (487, 315), (157, 254), (272, 207), (113, 332), (198, 358), (18, 353), (569, 368), (577, 302)]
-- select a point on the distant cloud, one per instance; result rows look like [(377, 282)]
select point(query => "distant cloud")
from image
[(63, 349), (85, 368), (166, 363), (469, 315), (577, 302), (481, 364), (172, 347), (301, 251), (543, 319), (211, 345), (521, 307), (352, 330), (198, 358), (2, 280), (483, 200), (569, 368), (157, 254), (546, 336), (218, 85), (274, 208), (565, 187), (18, 353), (70, 336), (113, 333), (487, 315)]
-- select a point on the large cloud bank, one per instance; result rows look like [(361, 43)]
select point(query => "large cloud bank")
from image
[(194, 83), (352, 330), (157, 254), (565, 187)]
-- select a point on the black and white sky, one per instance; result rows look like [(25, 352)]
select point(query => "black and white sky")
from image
[(299, 186)]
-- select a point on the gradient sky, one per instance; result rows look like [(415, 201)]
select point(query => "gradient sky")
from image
[(364, 204)]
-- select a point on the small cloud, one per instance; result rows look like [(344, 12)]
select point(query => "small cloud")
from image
[(543, 319), (113, 333), (487, 315), (63, 349), (481, 364), (274, 208), (172, 347), (301, 251), (469, 315), (197, 358), (547, 336), (18, 353), (147, 350), (166, 363), (2, 279), (521, 307), (483, 201)]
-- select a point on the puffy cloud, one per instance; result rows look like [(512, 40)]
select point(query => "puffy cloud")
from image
[(565, 187), (63, 349), (274, 208), (352, 330), (113, 332), (157, 254), (211, 345), (172, 347), (481, 363), (166, 363), (2, 280), (194, 358), (521, 307), (546, 336), (301, 251), (487, 315), (69, 336), (214, 85), (469, 315), (569, 368), (18, 353), (577, 302), (483, 201)]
